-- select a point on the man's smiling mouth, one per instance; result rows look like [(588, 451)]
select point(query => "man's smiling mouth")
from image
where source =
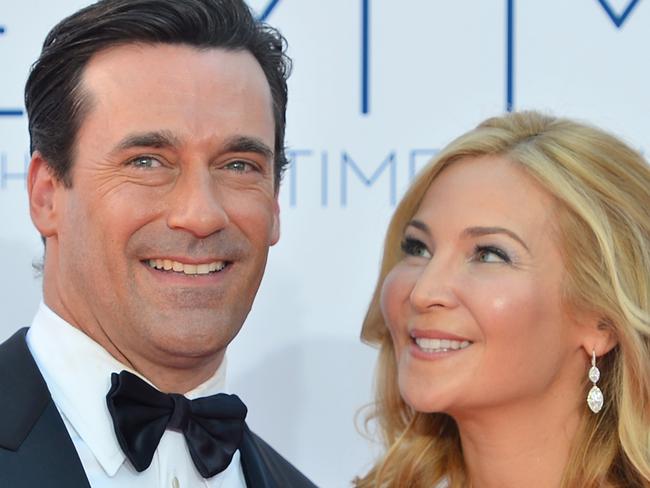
[(188, 269)]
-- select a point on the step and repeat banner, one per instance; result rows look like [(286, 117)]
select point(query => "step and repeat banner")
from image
[(378, 87)]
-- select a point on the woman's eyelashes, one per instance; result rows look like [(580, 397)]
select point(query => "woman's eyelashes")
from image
[(491, 254), (414, 247), (480, 253)]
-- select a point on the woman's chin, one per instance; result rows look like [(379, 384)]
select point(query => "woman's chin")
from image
[(425, 401)]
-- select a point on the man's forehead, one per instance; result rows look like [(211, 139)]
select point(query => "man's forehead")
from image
[(141, 56), (149, 70), (154, 95)]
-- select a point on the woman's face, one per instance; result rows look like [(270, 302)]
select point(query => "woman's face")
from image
[(474, 307)]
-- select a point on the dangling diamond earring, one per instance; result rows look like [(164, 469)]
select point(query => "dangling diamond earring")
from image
[(595, 397)]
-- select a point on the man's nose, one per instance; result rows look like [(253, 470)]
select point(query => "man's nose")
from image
[(196, 204), (434, 286)]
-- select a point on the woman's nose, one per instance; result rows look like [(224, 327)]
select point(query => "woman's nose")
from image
[(434, 286)]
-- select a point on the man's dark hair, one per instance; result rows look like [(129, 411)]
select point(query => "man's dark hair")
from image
[(54, 98)]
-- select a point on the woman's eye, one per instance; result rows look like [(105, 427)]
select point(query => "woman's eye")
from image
[(240, 166), (414, 247), (145, 162), (491, 254)]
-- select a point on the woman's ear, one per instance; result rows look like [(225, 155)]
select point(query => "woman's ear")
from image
[(599, 335), (42, 186)]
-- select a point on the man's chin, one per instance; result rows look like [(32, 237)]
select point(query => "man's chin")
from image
[(186, 349), (195, 328)]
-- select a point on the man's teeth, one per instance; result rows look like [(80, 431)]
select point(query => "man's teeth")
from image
[(188, 269), (440, 345)]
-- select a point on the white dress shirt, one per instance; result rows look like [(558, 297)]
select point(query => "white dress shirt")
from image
[(77, 372)]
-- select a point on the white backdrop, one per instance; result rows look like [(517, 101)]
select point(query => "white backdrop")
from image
[(434, 70)]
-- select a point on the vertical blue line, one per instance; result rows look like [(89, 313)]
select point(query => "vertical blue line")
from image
[(2, 30), (365, 56), (510, 81)]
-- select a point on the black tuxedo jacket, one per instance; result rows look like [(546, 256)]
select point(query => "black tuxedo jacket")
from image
[(36, 451)]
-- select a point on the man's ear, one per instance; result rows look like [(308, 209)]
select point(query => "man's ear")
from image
[(42, 187)]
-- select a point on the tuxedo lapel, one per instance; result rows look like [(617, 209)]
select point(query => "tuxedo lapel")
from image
[(35, 448), (256, 470), (22, 390), (263, 467)]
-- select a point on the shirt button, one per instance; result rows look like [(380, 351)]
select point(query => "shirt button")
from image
[(175, 483)]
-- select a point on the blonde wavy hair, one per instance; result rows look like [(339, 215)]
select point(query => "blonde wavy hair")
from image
[(603, 190)]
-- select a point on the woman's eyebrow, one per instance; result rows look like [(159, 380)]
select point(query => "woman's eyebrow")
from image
[(484, 231), (477, 231), (418, 224)]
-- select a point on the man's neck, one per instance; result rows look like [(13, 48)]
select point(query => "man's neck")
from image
[(167, 373), (178, 378)]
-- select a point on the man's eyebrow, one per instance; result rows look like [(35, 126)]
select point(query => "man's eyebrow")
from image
[(164, 138), (484, 231), (161, 138), (248, 144)]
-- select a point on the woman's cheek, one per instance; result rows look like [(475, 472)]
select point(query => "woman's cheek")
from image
[(394, 301)]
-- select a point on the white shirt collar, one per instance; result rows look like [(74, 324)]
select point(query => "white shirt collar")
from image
[(78, 371)]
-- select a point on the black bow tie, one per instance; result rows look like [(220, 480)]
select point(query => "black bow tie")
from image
[(213, 426)]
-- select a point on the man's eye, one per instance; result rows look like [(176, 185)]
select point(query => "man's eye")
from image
[(240, 166), (414, 247), (491, 254), (145, 162)]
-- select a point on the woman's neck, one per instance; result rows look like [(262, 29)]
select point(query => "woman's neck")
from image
[(527, 444)]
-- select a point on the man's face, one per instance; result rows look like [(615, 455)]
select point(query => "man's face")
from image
[(160, 244)]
